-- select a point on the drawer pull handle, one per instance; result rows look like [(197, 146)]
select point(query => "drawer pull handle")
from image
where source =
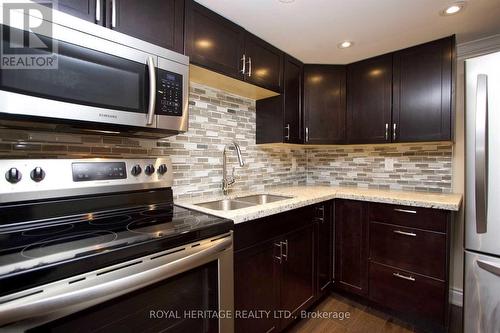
[(404, 277), (405, 211), (399, 232)]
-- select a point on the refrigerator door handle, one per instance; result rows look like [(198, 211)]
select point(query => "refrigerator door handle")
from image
[(481, 154), (489, 266)]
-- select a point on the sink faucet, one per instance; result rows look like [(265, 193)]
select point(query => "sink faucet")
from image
[(226, 182)]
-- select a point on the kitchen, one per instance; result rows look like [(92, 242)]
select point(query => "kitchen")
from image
[(183, 166)]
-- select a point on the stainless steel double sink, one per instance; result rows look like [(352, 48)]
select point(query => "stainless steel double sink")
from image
[(242, 202)]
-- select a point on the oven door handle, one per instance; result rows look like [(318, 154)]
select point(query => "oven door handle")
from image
[(152, 89), (40, 305)]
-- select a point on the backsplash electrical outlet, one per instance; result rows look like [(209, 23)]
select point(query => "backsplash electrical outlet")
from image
[(217, 118)]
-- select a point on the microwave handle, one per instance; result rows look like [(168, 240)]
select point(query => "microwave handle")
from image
[(152, 89)]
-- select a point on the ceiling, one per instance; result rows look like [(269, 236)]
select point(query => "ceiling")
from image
[(311, 29)]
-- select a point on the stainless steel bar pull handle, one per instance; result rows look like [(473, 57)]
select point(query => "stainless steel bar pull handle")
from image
[(394, 128), (489, 266), (481, 154), (249, 66), (404, 277), (98, 10), (152, 90), (386, 131), (404, 233), (244, 61), (285, 245), (40, 304), (287, 136), (307, 134), (279, 258), (113, 13), (409, 211)]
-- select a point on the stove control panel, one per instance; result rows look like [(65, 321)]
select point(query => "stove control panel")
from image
[(86, 171), (46, 178)]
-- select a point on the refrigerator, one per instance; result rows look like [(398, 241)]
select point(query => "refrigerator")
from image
[(482, 195)]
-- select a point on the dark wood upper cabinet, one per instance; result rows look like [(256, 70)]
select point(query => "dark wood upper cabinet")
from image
[(84, 9), (423, 82), (351, 249), (213, 42), (324, 104), (264, 63), (159, 22), (293, 80), (256, 283), (284, 110), (369, 100)]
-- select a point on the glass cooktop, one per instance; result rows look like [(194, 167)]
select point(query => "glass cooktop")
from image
[(93, 240)]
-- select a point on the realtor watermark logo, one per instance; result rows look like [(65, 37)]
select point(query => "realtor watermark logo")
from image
[(27, 35)]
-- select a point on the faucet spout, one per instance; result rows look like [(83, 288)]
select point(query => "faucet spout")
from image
[(226, 182)]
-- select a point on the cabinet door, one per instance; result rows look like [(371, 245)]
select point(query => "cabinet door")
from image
[(293, 100), (256, 283), (264, 65), (324, 103), (369, 100), (84, 9), (297, 283), (351, 255), (212, 41), (325, 246), (278, 118), (160, 22), (423, 91)]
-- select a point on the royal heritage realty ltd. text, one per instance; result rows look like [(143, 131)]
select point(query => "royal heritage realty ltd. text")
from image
[(247, 314)]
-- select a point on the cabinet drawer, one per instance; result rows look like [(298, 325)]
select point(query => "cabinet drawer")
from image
[(413, 217), (415, 250), (409, 293)]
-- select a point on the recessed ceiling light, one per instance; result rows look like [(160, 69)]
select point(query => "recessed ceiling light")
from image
[(345, 44), (453, 9), (286, 1)]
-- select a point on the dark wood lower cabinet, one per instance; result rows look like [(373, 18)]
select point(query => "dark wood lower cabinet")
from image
[(396, 257), (325, 247), (297, 279), (351, 255), (276, 266), (256, 273)]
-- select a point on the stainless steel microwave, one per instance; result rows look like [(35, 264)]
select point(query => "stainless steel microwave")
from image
[(102, 80)]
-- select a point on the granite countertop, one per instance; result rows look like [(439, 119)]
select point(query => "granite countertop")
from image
[(307, 195)]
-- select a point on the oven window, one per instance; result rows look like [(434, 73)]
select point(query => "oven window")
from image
[(168, 306), (83, 76)]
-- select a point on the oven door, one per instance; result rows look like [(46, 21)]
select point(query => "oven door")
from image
[(186, 289), (94, 80)]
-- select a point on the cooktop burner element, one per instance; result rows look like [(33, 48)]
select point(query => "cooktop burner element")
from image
[(55, 245), (110, 220), (47, 231)]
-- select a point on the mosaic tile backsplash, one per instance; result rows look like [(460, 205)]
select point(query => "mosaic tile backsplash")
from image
[(218, 118), (414, 167)]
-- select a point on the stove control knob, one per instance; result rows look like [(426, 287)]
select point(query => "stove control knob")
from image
[(162, 169), (149, 169), (37, 174), (13, 175), (136, 170)]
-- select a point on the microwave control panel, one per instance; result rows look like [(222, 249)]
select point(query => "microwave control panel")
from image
[(169, 97)]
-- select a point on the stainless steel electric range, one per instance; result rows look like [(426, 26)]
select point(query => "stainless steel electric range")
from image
[(98, 245)]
